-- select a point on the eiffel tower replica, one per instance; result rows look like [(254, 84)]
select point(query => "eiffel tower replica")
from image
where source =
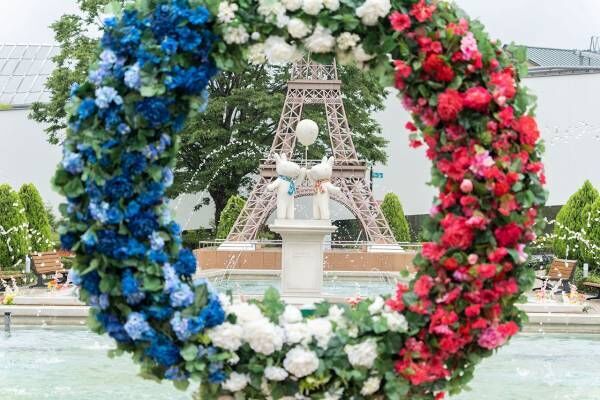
[(313, 83)]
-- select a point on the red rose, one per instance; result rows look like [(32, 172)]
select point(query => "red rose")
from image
[(508, 329), (432, 251), (423, 285), (486, 271), (477, 98), (508, 235), (498, 254), (450, 104), (400, 22), (506, 116), (528, 130), (421, 11), (503, 86), (473, 310), (457, 233), (438, 69)]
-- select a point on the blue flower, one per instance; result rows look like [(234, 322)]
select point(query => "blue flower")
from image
[(156, 241), (110, 22), (131, 288), (186, 263), (108, 57), (89, 238), (72, 162), (90, 282), (133, 163), (123, 128), (132, 77), (73, 89), (143, 224), (118, 187), (132, 209), (172, 281), (199, 15), (86, 108), (106, 95), (114, 327), (155, 110), (97, 76), (158, 256), (182, 296), (159, 313), (137, 327), (180, 326), (164, 351), (213, 313), (114, 215), (217, 377), (135, 248), (98, 211), (104, 301), (176, 374), (169, 46)]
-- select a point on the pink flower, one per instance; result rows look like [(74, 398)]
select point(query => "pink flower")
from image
[(473, 258), (477, 98), (481, 162), (468, 46), (466, 186), (521, 253), (400, 22), (491, 338)]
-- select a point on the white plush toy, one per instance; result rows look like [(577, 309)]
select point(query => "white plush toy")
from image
[(290, 175), (320, 176)]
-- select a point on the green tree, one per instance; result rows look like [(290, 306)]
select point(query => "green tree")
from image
[(37, 216), (234, 207), (570, 219), (14, 237), (591, 216), (393, 212)]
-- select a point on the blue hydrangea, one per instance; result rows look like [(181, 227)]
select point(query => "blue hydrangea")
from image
[(213, 313), (119, 187), (186, 263), (137, 327), (106, 95), (114, 327), (169, 46), (131, 288), (132, 77), (180, 326), (156, 241), (86, 108), (98, 211), (108, 57), (73, 89), (158, 256), (143, 224), (176, 374), (159, 313), (114, 215), (123, 128), (164, 351), (89, 239), (72, 162), (182, 296), (168, 177), (133, 163), (90, 282), (172, 281), (155, 110)]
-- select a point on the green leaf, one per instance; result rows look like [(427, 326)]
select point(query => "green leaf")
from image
[(189, 352)]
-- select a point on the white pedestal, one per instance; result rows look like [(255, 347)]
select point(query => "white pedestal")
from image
[(302, 255)]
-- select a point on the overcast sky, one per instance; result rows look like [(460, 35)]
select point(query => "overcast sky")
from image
[(548, 23)]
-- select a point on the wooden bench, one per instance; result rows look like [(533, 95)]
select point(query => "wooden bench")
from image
[(559, 272), (593, 285), (46, 263)]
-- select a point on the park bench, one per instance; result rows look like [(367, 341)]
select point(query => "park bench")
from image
[(46, 263), (559, 273), (593, 285)]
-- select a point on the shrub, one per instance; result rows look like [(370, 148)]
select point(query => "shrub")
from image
[(14, 237), (232, 209), (393, 212), (39, 226), (571, 218), (591, 216)]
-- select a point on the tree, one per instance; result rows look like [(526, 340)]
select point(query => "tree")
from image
[(570, 219), (14, 237), (591, 216), (234, 207), (37, 217), (394, 214)]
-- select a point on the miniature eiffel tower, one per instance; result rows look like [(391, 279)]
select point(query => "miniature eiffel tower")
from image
[(313, 83)]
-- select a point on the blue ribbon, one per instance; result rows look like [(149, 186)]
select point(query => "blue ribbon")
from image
[(292, 186)]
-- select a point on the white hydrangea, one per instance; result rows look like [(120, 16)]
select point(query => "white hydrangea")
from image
[(226, 12), (362, 354), (312, 7), (370, 386), (377, 305), (278, 51), (336, 314), (290, 315), (321, 330), (263, 336), (396, 322), (371, 10), (245, 312), (353, 331), (255, 36), (236, 382), (301, 362), (332, 5), (297, 28), (321, 40), (236, 35), (297, 333), (226, 336), (360, 55), (347, 40), (275, 373), (268, 8), (292, 5), (256, 54)]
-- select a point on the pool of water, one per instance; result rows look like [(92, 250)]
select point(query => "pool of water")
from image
[(69, 364)]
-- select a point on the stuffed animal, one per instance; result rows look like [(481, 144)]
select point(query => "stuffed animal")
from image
[(290, 175), (320, 176)]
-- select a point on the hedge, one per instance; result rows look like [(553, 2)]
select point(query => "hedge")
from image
[(394, 214), (37, 216), (14, 237), (591, 216), (232, 209)]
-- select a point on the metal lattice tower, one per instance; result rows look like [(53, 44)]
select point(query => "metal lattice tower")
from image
[(313, 83)]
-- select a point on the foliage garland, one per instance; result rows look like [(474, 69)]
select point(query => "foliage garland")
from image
[(468, 108)]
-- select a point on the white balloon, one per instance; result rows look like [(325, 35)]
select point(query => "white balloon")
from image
[(307, 131)]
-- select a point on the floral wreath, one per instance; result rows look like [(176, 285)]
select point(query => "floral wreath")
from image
[(468, 108)]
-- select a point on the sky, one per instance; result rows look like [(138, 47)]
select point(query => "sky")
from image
[(546, 23)]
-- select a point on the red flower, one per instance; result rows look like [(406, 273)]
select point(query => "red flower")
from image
[(473, 310), (432, 251), (477, 98), (508, 235), (498, 254), (457, 233), (423, 285), (507, 116), (528, 130), (400, 22), (486, 271), (411, 127), (421, 11), (403, 71), (450, 104), (503, 86), (438, 69), (508, 329)]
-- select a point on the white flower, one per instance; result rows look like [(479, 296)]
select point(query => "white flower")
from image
[(333, 5), (226, 12), (312, 7), (333, 396), (290, 315), (236, 382), (336, 314), (263, 336), (236, 35), (278, 51), (269, 8), (362, 354), (301, 362), (255, 36), (256, 54), (234, 359), (297, 29), (245, 312), (275, 373), (376, 306), (370, 386), (320, 328), (371, 10), (360, 55), (226, 336), (321, 40), (347, 40), (353, 331), (292, 5), (282, 20), (396, 322), (297, 333)]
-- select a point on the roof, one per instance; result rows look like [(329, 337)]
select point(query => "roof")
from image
[(24, 69), (549, 61)]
